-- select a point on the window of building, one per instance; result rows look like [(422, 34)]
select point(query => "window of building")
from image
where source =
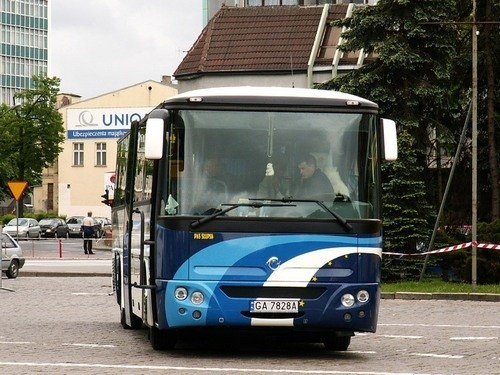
[(77, 154), (100, 154)]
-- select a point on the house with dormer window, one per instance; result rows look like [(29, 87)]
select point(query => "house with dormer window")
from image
[(286, 46)]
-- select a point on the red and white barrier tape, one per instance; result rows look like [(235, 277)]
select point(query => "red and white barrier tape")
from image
[(488, 246), (451, 248)]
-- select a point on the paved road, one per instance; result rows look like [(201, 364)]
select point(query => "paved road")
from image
[(70, 325)]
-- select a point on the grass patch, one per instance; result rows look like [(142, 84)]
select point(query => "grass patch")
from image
[(437, 286)]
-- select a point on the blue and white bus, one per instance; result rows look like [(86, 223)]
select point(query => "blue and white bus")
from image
[(210, 230)]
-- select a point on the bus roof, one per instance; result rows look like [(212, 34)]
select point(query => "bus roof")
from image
[(271, 96)]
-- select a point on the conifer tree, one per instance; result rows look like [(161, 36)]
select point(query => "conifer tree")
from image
[(411, 82)]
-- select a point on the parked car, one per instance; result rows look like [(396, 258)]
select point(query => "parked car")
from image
[(12, 256), (54, 227), (104, 225), (23, 227), (75, 227)]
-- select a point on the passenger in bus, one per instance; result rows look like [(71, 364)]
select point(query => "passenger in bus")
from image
[(314, 182), (274, 183)]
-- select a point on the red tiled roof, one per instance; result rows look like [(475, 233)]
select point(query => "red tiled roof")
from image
[(256, 39)]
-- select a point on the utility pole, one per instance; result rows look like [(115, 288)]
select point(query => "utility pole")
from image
[(474, 147)]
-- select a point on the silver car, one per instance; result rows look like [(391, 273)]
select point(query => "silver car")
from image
[(75, 226), (23, 227), (12, 256)]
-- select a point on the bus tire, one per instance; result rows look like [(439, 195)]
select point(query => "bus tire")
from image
[(162, 340), (337, 343)]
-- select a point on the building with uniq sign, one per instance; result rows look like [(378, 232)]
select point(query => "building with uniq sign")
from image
[(85, 168)]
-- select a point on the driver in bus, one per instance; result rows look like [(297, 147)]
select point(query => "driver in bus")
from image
[(314, 181)]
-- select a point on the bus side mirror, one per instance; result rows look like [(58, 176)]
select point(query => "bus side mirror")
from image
[(155, 133), (390, 139)]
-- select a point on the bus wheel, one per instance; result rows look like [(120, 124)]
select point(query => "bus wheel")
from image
[(162, 340), (337, 343)]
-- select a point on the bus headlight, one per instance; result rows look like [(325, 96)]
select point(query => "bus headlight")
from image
[(197, 298), (363, 296), (347, 300), (181, 293)]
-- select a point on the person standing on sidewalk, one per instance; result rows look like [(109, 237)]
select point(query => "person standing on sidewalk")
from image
[(88, 233)]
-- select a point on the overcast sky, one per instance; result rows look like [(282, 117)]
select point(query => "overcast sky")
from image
[(98, 46)]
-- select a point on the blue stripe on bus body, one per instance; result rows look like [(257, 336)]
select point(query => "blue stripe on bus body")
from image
[(310, 251), (235, 252)]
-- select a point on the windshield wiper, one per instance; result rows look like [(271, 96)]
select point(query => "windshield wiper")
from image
[(341, 220), (257, 203), (253, 203)]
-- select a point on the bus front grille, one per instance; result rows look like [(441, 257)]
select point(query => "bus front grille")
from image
[(272, 292)]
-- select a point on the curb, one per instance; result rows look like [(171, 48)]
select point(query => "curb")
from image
[(485, 297), (63, 274)]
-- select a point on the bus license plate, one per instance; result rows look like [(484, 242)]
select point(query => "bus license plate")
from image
[(274, 306)]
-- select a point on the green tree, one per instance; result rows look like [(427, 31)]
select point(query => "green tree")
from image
[(408, 218), (411, 80), (32, 133), (488, 61), (423, 75), (7, 117)]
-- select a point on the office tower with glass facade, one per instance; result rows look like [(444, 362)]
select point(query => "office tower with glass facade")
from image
[(24, 45)]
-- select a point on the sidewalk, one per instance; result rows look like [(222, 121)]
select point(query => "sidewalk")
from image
[(73, 262)]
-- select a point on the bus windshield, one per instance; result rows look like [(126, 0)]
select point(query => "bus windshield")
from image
[(285, 161)]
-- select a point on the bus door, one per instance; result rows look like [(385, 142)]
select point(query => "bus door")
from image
[(131, 232)]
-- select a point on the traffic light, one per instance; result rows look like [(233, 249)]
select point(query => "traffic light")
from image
[(106, 199)]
